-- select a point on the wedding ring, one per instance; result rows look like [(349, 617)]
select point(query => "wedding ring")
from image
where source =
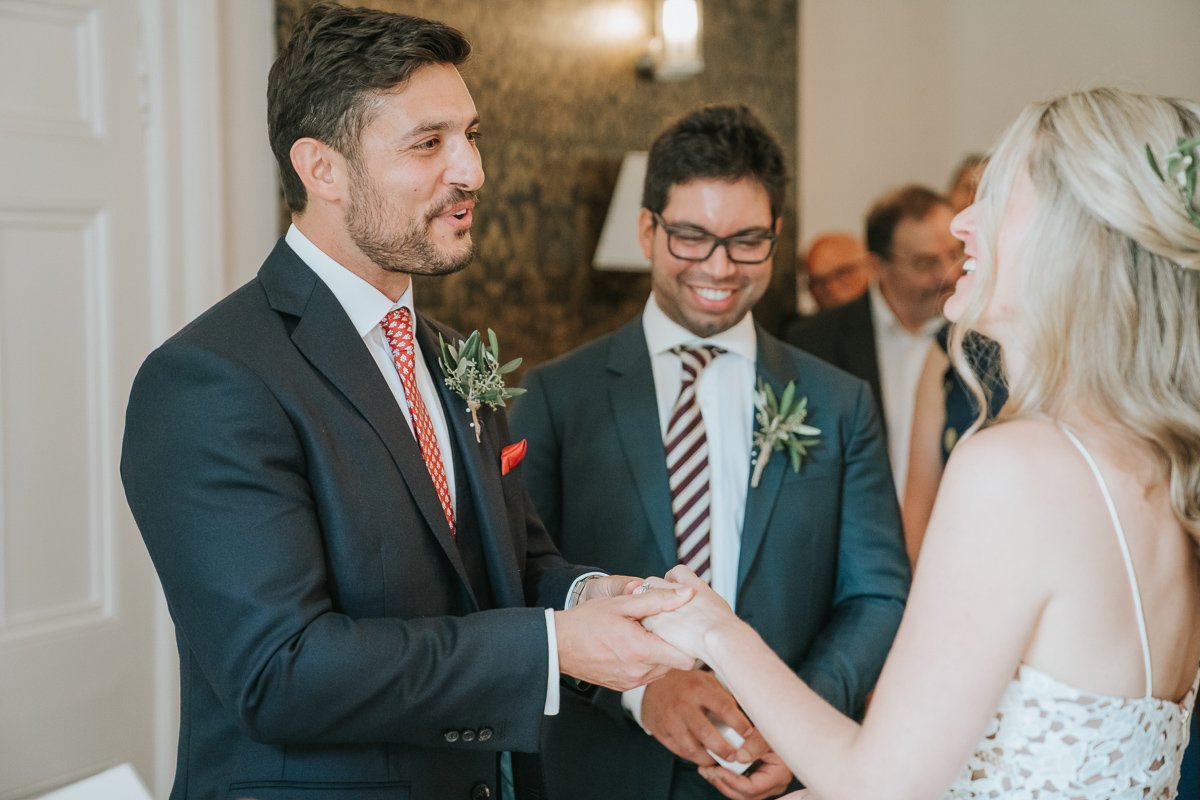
[(645, 587)]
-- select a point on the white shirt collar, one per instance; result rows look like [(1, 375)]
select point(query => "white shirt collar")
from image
[(663, 333), (364, 304)]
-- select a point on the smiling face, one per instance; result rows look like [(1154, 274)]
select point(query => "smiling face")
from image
[(710, 296), (412, 186), (925, 261), (1001, 310)]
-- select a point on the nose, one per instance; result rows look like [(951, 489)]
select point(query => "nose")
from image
[(465, 170), (719, 265), (962, 227)]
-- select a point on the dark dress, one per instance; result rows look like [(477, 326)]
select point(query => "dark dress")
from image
[(1189, 773), (961, 409)]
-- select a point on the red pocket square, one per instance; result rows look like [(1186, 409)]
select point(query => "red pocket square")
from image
[(512, 455)]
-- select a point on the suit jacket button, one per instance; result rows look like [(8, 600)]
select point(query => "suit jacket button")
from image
[(480, 791), (485, 734), (468, 736), (451, 736)]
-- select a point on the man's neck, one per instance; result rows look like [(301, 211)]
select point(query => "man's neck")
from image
[(912, 318), (335, 242)]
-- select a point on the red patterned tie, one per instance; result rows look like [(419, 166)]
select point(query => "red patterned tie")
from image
[(397, 327), (687, 465)]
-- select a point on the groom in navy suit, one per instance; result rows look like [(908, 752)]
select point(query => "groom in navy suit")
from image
[(640, 457), (365, 603)]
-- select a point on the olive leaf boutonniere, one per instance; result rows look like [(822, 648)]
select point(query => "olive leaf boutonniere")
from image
[(779, 424), (473, 372)]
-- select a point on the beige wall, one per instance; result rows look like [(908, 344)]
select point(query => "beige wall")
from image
[(561, 103), (893, 91)]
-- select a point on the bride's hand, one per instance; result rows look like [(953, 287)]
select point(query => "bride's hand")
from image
[(686, 626)]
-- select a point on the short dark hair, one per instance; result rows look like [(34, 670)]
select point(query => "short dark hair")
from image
[(725, 142), (909, 202), (324, 81)]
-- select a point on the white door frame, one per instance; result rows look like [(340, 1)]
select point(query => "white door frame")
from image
[(213, 206)]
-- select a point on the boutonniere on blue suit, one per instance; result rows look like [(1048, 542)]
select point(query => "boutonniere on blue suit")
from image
[(779, 424), (473, 372)]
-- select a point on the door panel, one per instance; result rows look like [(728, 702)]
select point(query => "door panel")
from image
[(77, 595)]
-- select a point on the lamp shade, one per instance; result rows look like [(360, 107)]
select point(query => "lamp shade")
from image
[(618, 248)]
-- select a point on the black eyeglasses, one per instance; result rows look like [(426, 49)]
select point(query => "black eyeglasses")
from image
[(696, 244)]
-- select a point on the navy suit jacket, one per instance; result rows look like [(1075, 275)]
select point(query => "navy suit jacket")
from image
[(845, 337), (822, 573), (331, 641)]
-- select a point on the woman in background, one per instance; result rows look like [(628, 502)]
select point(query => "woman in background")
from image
[(1052, 638), (945, 408)]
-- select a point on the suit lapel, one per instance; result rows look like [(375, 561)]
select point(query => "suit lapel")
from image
[(479, 476), (329, 341), (635, 416), (774, 368), (858, 340)]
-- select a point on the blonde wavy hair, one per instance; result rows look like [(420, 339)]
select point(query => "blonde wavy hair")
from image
[(1110, 292)]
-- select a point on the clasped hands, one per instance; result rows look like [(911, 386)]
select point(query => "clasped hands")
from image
[(626, 632)]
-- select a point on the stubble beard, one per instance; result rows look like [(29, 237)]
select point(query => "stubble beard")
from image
[(408, 250)]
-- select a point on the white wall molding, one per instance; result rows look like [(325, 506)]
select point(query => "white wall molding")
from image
[(212, 200)]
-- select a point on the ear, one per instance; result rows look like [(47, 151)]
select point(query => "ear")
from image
[(778, 225), (322, 169), (646, 233)]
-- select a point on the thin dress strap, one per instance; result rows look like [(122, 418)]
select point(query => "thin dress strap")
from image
[(1116, 521)]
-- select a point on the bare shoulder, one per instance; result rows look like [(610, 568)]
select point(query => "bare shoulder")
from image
[(1017, 455), (1010, 490)]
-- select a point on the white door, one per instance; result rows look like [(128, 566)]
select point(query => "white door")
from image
[(77, 594)]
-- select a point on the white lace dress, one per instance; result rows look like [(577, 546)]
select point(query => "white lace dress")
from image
[(1051, 741)]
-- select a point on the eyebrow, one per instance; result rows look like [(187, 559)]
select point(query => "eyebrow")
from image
[(753, 229), (434, 127)]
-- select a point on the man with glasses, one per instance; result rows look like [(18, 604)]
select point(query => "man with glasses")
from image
[(884, 336), (838, 269), (640, 457)]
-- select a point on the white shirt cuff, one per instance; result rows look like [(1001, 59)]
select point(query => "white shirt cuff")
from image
[(631, 701), (552, 688), (552, 672)]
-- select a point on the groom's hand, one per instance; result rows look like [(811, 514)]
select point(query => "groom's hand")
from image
[(611, 586), (768, 778), (602, 640), (676, 709)]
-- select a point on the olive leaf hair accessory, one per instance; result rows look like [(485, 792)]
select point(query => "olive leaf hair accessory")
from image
[(473, 372), (1179, 172)]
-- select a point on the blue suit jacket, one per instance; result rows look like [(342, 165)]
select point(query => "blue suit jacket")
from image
[(845, 337), (822, 573), (331, 642)]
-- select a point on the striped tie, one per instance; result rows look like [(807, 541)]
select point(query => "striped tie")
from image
[(686, 445)]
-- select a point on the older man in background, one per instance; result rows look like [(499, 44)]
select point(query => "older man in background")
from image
[(884, 336), (838, 268)]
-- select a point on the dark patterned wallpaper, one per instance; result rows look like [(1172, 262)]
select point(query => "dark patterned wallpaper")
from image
[(560, 103)]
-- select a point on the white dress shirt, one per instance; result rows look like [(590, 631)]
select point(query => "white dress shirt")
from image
[(725, 392), (901, 355), (367, 306)]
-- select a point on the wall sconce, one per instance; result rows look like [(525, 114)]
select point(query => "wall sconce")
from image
[(618, 249), (675, 50)]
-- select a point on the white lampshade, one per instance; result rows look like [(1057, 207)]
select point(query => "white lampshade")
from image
[(618, 248)]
